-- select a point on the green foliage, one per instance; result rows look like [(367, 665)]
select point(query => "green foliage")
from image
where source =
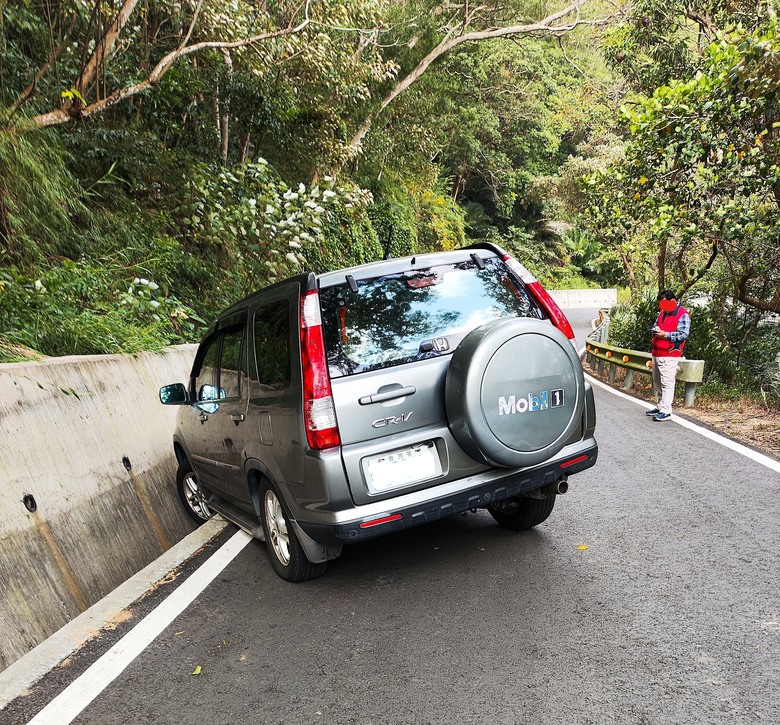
[(659, 41), (248, 220), (629, 323), (76, 308), (700, 177), (42, 212), (347, 239), (395, 227)]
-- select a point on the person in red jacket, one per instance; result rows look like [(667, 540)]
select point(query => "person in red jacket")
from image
[(670, 332)]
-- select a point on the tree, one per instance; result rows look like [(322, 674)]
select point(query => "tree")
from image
[(701, 170)]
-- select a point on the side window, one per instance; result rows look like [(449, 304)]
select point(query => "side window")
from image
[(231, 369), (272, 344), (206, 380)]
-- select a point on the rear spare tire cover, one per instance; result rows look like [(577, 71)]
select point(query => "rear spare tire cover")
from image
[(514, 392)]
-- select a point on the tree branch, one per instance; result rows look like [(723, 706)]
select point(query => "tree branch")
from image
[(63, 115), (546, 26)]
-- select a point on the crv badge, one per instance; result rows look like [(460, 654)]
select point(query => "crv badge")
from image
[(392, 420)]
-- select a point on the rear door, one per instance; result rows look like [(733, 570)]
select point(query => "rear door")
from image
[(274, 406), (389, 339)]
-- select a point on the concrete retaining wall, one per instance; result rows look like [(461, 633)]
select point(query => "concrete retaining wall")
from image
[(579, 298), (66, 424)]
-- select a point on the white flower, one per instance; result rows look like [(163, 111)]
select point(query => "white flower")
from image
[(269, 209), (154, 303), (301, 189), (327, 194), (290, 257)]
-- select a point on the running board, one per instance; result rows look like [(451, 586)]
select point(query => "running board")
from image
[(242, 519)]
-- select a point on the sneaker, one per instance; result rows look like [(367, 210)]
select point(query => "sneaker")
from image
[(654, 411), (662, 416)]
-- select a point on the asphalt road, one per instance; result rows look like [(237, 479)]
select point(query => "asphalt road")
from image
[(650, 596)]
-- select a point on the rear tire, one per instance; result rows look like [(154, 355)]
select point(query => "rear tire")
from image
[(191, 494), (285, 551), (519, 514)]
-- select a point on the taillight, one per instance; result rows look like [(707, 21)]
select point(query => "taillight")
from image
[(319, 413), (542, 296)]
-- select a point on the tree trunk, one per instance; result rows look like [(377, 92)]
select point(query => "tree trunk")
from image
[(662, 264), (224, 111)]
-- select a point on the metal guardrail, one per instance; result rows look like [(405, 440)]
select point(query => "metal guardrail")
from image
[(599, 354)]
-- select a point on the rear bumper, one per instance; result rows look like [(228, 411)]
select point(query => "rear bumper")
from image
[(479, 496)]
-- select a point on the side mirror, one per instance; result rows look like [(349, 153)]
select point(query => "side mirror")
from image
[(175, 394)]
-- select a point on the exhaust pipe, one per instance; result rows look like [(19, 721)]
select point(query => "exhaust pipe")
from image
[(556, 488)]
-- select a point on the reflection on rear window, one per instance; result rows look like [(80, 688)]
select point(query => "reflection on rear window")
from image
[(399, 318)]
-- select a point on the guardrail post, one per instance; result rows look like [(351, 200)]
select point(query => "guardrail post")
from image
[(611, 373), (690, 394), (629, 381)]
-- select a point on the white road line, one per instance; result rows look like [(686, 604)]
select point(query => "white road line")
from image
[(64, 708), (727, 442)]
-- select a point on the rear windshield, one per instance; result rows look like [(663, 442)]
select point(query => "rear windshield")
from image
[(400, 318)]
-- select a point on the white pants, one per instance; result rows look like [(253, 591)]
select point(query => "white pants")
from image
[(664, 373)]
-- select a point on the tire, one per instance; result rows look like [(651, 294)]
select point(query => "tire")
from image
[(192, 497), (285, 551), (514, 392), (520, 514)]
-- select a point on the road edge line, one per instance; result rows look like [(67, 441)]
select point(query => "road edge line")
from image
[(77, 696), (740, 448)]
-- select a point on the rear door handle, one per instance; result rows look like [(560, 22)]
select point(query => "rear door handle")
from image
[(236, 417), (203, 417), (387, 395)]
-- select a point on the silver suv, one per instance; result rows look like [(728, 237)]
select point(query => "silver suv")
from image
[(328, 409)]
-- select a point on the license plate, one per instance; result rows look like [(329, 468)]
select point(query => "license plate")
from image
[(401, 467)]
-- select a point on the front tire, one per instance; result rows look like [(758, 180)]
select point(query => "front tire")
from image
[(285, 551), (191, 494), (520, 514)]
